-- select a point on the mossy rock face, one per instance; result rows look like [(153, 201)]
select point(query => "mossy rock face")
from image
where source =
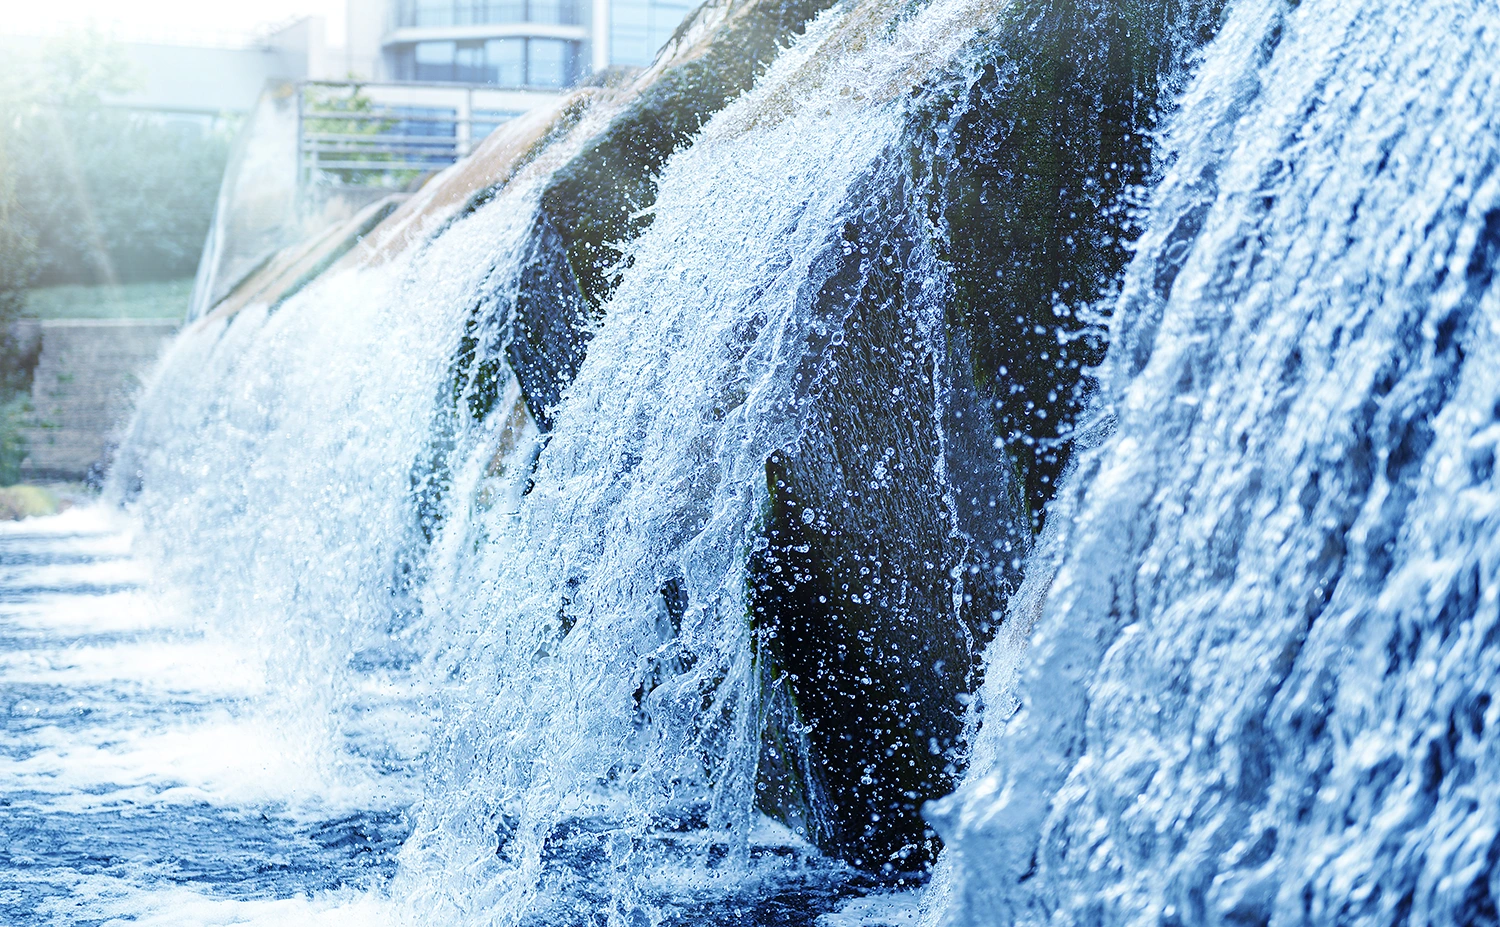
[(1029, 171), (891, 534), (595, 202), (898, 523), (541, 321), (477, 379)]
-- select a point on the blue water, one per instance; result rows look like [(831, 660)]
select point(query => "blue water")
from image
[(137, 779), (149, 774), (1249, 678), (1260, 685)]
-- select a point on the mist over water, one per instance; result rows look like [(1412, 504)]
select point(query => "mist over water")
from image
[(364, 633)]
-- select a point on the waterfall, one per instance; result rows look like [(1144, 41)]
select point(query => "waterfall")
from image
[(584, 689), (1258, 690), (1044, 446), (361, 474)]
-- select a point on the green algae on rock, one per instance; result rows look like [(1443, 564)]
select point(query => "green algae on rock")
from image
[(1030, 161), (898, 524)]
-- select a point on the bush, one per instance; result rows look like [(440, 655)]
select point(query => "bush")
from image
[(117, 196), (12, 442), (18, 502), (17, 267)]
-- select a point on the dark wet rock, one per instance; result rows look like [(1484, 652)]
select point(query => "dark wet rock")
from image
[(898, 523), (1029, 163), (938, 402), (544, 337), (597, 201), (889, 538)]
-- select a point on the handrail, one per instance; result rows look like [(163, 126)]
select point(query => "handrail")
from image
[(384, 134)]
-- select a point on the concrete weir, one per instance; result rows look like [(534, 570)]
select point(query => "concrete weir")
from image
[(866, 436)]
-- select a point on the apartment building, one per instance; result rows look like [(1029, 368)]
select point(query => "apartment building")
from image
[(537, 45)]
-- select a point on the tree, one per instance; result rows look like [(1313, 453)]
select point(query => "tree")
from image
[(17, 264), (110, 195)]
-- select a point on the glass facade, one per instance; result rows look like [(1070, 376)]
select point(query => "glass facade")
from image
[(639, 28), (546, 64), (438, 13)]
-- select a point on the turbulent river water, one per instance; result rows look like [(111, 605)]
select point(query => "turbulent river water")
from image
[(143, 780), (360, 634)]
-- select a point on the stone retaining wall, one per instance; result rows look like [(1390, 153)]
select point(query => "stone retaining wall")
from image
[(86, 382)]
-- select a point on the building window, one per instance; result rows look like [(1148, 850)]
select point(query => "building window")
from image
[(433, 60), (506, 59), (639, 28), (549, 64), (426, 12), (431, 13), (555, 12)]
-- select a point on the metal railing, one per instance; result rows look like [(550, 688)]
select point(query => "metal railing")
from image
[(387, 134)]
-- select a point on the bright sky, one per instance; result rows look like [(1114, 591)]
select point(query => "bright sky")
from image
[(187, 21)]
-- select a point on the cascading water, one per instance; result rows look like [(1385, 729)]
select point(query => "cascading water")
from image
[(1260, 688), (627, 548), (586, 610), (616, 652)]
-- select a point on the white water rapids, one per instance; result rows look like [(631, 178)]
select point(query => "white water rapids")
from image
[(1248, 679), (1260, 690)]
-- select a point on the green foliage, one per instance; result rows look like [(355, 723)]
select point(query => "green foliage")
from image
[(18, 502), (116, 196), (17, 266), (75, 71), (108, 194), (12, 441)]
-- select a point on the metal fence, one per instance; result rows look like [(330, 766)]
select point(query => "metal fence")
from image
[(388, 134)]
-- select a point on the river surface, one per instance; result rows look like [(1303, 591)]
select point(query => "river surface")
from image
[(151, 772), (144, 774)]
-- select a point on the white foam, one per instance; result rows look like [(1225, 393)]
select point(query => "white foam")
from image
[(119, 902), (897, 909), (164, 713), (86, 524)]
